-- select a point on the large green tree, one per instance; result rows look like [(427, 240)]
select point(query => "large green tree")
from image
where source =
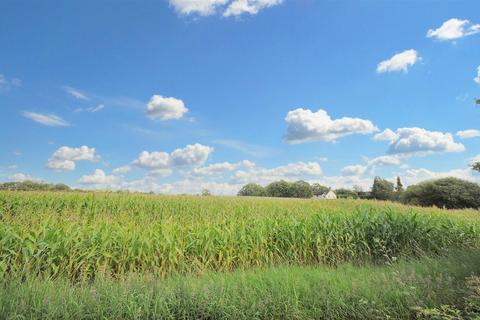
[(280, 189), (382, 189), (318, 189), (302, 189), (252, 190)]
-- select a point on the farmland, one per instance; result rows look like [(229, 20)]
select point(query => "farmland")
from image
[(109, 255)]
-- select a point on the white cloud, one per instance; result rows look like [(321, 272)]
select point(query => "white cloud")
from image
[(91, 109), (386, 135), (200, 7), (354, 170), (371, 165), (477, 78), (414, 176), (291, 171), (75, 93), (303, 125), (191, 155), (399, 62), (50, 120), (152, 160), (418, 141), (238, 7), (467, 134), (63, 159), (122, 170), (228, 7), (6, 84), (454, 29), (98, 177), (165, 108), (19, 177)]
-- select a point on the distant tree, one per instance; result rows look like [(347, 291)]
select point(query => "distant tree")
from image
[(301, 189), (252, 190), (33, 186), (206, 193), (399, 186), (382, 189), (318, 189), (281, 189), (343, 193), (450, 193), (476, 166)]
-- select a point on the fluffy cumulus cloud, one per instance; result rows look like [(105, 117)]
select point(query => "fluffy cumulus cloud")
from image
[(371, 165), (163, 163), (454, 29), (191, 155), (98, 178), (385, 135), (63, 159), (414, 176), (152, 160), (19, 177), (200, 7), (291, 171), (122, 170), (418, 141), (399, 62), (216, 169), (239, 7), (477, 78), (227, 7), (303, 125), (50, 120), (467, 134), (165, 108)]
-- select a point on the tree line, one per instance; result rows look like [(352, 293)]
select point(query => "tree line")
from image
[(450, 193)]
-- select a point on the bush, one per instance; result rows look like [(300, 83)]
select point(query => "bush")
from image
[(346, 194), (450, 193), (252, 190)]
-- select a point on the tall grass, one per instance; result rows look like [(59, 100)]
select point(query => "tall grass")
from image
[(347, 292), (78, 236)]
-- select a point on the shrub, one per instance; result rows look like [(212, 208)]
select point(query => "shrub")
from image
[(252, 190), (451, 193)]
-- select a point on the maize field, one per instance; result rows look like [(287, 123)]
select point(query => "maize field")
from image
[(78, 236)]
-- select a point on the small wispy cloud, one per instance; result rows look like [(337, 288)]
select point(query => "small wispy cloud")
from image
[(50, 120), (91, 109), (6, 83), (249, 149), (75, 93)]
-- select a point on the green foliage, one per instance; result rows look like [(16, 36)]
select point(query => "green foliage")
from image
[(33, 186), (79, 235), (399, 186), (252, 190), (318, 189), (451, 193), (476, 166), (301, 189), (206, 193), (279, 189), (346, 194), (382, 189)]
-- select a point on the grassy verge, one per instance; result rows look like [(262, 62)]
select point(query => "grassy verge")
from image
[(345, 292)]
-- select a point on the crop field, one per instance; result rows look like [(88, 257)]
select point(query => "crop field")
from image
[(63, 255)]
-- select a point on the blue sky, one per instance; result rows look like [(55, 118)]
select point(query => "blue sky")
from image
[(178, 95)]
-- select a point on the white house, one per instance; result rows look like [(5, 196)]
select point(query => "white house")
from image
[(330, 195)]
